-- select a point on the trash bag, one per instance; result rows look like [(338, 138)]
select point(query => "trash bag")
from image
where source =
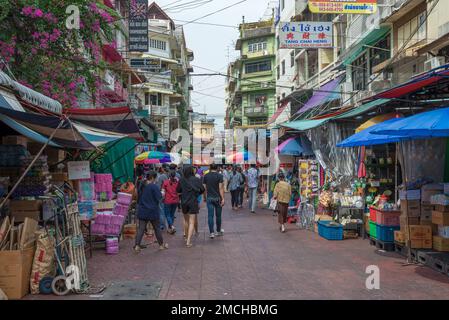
[(44, 260)]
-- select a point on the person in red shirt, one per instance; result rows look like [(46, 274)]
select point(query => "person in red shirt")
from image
[(171, 200)]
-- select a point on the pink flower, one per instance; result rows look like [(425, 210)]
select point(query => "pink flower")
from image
[(72, 85), (33, 50), (27, 11), (36, 35), (38, 13)]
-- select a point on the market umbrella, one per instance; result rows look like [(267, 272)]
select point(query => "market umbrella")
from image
[(153, 157), (295, 146), (239, 157), (366, 138), (432, 124)]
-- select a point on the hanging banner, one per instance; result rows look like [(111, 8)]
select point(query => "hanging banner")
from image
[(343, 7), (305, 35), (138, 26)]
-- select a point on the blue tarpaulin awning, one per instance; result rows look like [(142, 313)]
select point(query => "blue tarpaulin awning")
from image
[(366, 138)]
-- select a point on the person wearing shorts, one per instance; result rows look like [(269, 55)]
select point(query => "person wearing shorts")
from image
[(189, 188)]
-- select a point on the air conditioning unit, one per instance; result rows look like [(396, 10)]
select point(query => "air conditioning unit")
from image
[(265, 52), (433, 63), (380, 85)]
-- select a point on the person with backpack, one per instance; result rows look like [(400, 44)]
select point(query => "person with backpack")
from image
[(189, 189), (171, 200)]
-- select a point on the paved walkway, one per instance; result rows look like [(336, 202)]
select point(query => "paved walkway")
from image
[(255, 261)]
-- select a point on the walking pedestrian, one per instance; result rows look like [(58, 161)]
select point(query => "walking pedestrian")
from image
[(235, 180), (214, 197), (171, 200), (241, 188), (253, 184), (162, 176), (282, 194), (225, 178), (149, 211), (189, 188)]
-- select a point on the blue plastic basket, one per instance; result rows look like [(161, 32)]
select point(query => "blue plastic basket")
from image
[(386, 233), (330, 232)]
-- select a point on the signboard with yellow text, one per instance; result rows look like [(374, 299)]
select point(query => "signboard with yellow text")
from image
[(343, 6)]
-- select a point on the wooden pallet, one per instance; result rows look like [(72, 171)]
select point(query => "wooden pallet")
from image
[(386, 246), (438, 261), (403, 250)]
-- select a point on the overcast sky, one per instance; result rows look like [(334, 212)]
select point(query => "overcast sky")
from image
[(213, 44)]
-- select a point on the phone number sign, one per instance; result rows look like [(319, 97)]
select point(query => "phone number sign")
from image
[(343, 6)]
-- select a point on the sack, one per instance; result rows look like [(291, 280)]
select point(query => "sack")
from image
[(273, 204), (44, 260)]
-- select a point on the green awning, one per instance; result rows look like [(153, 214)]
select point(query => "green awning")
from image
[(303, 125), (370, 38), (362, 109)]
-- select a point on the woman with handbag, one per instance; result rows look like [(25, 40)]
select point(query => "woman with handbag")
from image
[(189, 189), (171, 200), (282, 194)]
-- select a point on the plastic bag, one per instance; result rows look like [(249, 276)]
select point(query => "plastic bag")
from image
[(273, 204)]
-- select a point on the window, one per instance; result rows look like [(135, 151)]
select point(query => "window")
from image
[(258, 66), (147, 98), (158, 44), (283, 67), (257, 121), (381, 52), (282, 4), (257, 45), (360, 73), (257, 100), (156, 99), (278, 72), (278, 43), (292, 58), (416, 27)]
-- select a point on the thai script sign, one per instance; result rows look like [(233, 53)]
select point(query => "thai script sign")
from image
[(343, 6), (138, 26), (305, 35)]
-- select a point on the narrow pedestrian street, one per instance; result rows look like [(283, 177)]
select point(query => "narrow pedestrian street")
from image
[(255, 261)]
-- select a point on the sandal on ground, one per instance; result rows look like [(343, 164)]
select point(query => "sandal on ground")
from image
[(137, 249), (164, 246), (189, 245)]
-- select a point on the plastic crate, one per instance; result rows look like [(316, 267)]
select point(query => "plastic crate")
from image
[(386, 233), (388, 218), (373, 214), (330, 232), (372, 230)]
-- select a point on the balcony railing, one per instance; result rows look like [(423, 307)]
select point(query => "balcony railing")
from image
[(159, 111), (256, 111)]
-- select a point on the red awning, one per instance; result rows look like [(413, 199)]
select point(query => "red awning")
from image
[(278, 112), (415, 84)]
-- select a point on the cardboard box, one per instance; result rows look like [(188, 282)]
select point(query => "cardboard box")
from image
[(399, 236), (441, 244), (440, 218), (54, 155), (19, 216), (25, 205), (441, 208), (407, 221), (15, 140), (411, 208), (421, 244), (59, 176), (426, 210), (15, 270), (430, 190), (419, 233)]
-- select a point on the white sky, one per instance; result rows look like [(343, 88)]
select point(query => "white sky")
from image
[(211, 44)]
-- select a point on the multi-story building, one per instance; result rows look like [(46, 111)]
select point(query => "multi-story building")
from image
[(251, 80), (203, 128), (166, 92)]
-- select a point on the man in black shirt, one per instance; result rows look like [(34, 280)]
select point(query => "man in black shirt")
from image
[(214, 197)]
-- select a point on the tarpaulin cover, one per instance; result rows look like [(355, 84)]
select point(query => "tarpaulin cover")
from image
[(118, 160), (416, 84), (423, 159), (340, 162), (118, 120), (325, 93), (366, 138), (376, 120), (420, 126), (295, 146)]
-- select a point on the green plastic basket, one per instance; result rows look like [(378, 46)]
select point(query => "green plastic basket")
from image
[(372, 230)]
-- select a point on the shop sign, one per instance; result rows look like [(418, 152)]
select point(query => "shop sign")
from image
[(343, 7), (138, 26), (78, 170), (306, 35), (146, 63)]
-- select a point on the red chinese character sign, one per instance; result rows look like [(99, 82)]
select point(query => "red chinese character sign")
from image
[(305, 35), (343, 6)]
